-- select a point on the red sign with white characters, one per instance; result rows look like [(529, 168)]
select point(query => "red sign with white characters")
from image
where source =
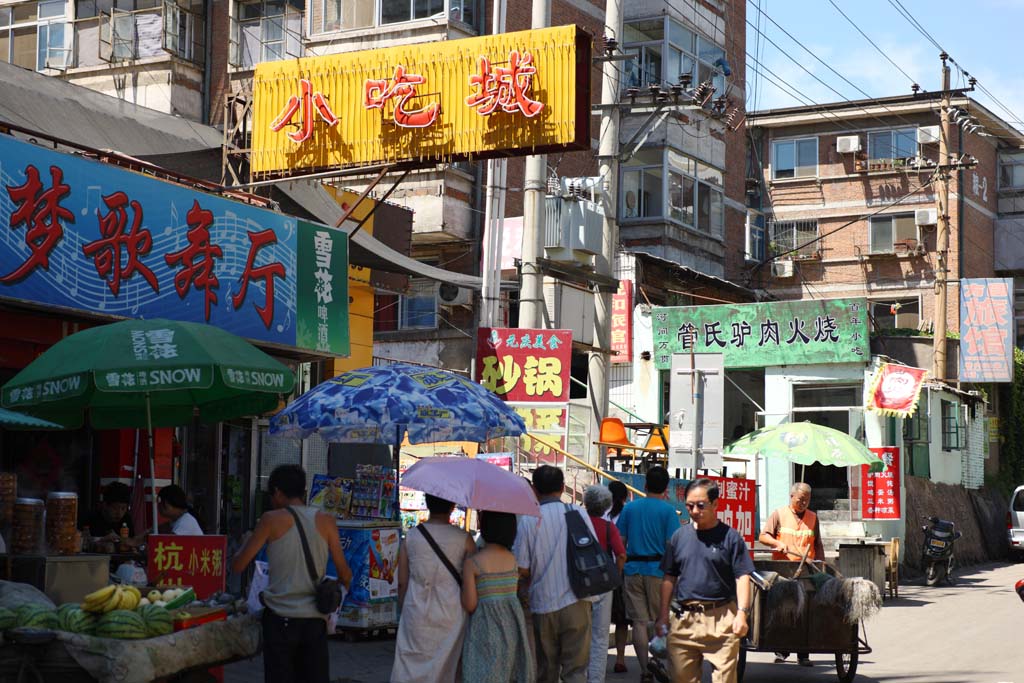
[(525, 365), (880, 491), (196, 561), (736, 503), (622, 322)]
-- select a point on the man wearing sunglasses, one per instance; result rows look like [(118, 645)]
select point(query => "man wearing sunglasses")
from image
[(705, 595)]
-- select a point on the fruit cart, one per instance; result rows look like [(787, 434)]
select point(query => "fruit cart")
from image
[(819, 628)]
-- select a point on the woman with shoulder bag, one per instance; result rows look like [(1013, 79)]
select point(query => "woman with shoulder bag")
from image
[(432, 625)]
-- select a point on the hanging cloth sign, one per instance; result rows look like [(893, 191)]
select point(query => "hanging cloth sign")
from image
[(895, 390)]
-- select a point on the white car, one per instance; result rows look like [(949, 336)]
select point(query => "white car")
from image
[(1015, 523)]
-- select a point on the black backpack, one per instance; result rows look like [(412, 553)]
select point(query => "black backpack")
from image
[(592, 571)]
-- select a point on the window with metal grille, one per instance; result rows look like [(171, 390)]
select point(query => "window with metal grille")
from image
[(794, 238), (953, 431)]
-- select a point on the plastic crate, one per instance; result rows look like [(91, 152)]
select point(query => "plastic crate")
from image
[(198, 617)]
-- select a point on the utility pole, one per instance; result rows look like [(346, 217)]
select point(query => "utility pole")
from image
[(599, 362), (942, 246), (494, 214), (531, 291)]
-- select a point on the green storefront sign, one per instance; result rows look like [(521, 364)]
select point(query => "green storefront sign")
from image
[(322, 297), (765, 334)]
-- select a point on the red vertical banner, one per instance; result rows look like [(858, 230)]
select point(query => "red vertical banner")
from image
[(880, 491), (196, 561), (622, 323)]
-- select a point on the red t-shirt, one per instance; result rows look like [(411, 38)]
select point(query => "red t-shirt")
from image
[(605, 532)]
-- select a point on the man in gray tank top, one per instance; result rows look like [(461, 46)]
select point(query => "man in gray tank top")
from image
[(294, 632)]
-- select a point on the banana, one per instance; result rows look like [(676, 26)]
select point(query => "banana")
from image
[(131, 601), (114, 600), (97, 598)]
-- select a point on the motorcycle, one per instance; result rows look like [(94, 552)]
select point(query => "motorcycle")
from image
[(937, 554)]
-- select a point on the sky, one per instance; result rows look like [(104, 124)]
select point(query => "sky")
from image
[(979, 34)]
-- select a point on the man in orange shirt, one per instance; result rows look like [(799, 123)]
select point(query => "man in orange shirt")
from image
[(791, 531)]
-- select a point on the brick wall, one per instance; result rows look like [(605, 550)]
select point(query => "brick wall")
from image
[(840, 194)]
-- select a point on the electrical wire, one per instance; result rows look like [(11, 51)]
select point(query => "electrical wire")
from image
[(874, 44)]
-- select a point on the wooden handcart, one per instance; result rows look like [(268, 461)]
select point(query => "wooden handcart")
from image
[(819, 630)]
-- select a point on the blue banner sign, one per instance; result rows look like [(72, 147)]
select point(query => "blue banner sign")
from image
[(83, 235)]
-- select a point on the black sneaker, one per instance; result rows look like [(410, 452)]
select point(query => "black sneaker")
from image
[(804, 661)]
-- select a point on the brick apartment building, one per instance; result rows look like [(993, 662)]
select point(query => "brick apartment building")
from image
[(819, 172)]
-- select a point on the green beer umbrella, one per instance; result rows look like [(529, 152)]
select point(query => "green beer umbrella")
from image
[(148, 373), (804, 443)]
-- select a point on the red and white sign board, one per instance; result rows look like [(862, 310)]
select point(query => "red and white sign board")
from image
[(880, 491), (197, 561)]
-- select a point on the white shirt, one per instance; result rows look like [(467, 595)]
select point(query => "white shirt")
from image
[(541, 548), (186, 525)]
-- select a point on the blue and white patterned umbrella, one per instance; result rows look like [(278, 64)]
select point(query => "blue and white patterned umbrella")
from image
[(378, 404)]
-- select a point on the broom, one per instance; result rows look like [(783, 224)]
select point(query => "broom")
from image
[(787, 598), (858, 598)]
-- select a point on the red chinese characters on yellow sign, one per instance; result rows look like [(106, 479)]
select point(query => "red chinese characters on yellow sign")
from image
[(196, 561), (505, 87), (525, 365), (304, 105), (401, 88)]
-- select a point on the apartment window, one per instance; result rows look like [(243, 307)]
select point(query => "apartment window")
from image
[(896, 314), (952, 426), (642, 185), (787, 236), (265, 31), (418, 308), (887, 232), (1011, 171), (664, 49), (462, 11), (755, 247), (36, 35), (693, 190), (341, 15), (395, 11), (795, 158), (888, 146)]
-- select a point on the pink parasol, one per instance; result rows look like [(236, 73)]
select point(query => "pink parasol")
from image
[(474, 484)]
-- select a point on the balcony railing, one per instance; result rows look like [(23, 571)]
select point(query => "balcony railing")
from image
[(122, 36)]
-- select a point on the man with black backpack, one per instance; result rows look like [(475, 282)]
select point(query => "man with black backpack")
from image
[(561, 617)]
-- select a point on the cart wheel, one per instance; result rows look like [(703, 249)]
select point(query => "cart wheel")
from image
[(846, 666), (741, 665)]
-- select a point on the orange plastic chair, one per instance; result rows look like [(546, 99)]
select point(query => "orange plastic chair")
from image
[(613, 432), (656, 442)]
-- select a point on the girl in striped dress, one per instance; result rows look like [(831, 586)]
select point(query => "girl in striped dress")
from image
[(496, 649)]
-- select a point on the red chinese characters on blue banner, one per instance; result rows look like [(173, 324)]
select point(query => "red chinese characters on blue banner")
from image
[(196, 561), (986, 330), (80, 234)]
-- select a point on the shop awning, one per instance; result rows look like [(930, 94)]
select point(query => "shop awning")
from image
[(364, 249)]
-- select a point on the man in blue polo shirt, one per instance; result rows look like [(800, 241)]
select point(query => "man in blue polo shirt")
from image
[(646, 525)]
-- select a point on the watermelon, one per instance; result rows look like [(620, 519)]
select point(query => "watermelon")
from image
[(8, 619), (75, 620), (36, 616), (158, 620), (122, 624)]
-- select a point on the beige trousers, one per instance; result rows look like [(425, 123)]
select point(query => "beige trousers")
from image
[(696, 636)]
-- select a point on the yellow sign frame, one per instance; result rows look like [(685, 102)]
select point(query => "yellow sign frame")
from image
[(375, 107)]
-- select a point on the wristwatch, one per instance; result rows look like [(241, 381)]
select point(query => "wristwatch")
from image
[(745, 610)]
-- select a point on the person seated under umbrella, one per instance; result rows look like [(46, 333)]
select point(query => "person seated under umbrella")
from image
[(106, 521), (173, 505)]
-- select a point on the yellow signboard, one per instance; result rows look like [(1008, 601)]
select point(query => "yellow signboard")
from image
[(496, 95)]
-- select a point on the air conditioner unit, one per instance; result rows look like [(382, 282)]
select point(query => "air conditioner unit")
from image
[(926, 216), (782, 268), (847, 144), (928, 135), (453, 295)]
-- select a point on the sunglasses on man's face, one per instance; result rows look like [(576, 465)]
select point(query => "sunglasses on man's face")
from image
[(700, 505)]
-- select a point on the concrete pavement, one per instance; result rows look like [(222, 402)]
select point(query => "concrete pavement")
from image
[(969, 632)]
